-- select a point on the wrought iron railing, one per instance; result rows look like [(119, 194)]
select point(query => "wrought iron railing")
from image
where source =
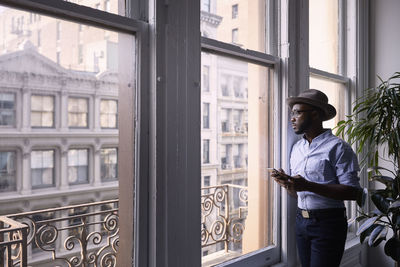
[(77, 235), (87, 234), (223, 214)]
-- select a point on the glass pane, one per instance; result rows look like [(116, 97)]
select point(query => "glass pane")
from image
[(324, 35), (239, 148), (242, 24), (111, 6), (7, 171), (336, 93)]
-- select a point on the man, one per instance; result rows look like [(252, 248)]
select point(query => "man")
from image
[(324, 173)]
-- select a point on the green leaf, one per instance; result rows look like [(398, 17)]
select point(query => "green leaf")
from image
[(380, 202), (377, 235), (367, 232), (394, 205), (386, 180), (367, 224)]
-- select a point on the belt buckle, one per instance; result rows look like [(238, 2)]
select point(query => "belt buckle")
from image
[(305, 214)]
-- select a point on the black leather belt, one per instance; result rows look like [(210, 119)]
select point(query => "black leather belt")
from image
[(322, 213)]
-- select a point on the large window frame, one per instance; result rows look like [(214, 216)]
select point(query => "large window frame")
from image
[(161, 116)]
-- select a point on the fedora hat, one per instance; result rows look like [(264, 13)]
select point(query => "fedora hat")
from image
[(314, 98)]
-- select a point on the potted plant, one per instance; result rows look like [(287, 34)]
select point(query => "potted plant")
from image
[(375, 123)]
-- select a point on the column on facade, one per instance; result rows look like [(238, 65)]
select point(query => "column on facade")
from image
[(26, 96), (64, 184), (96, 166), (26, 171), (96, 113), (64, 110)]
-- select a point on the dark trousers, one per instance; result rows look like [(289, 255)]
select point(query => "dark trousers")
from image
[(321, 237)]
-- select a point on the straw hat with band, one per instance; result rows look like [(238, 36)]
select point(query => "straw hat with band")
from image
[(314, 98)]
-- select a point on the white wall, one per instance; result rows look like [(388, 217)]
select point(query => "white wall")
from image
[(384, 61)]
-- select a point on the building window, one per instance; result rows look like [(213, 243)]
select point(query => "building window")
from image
[(80, 53), (78, 166), (108, 113), (235, 11), (237, 87), (226, 156), (205, 5), (206, 79), (225, 81), (238, 121), (77, 112), (235, 33), (42, 111), (237, 156), (206, 151), (7, 109), (206, 115), (109, 164), (7, 171), (225, 120), (42, 168)]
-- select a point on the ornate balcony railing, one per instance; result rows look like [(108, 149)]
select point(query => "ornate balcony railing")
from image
[(223, 213), (78, 235), (87, 234)]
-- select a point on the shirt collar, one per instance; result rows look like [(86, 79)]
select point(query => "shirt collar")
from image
[(318, 139)]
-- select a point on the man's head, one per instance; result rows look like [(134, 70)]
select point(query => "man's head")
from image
[(309, 110)]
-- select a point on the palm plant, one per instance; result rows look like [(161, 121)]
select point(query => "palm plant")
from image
[(375, 123)]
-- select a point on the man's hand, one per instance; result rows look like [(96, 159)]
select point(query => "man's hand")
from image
[(284, 181)]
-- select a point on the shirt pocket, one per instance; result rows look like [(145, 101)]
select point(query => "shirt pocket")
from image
[(319, 170)]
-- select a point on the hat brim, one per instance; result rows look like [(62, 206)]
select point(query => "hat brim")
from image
[(329, 110)]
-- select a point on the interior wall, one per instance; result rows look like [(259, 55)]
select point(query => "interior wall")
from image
[(384, 59)]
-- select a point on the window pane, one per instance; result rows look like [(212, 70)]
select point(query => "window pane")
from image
[(42, 108), (240, 149), (109, 165), (49, 61), (42, 168), (111, 6), (243, 24), (108, 113), (78, 166), (77, 112), (7, 109), (7, 171), (324, 35), (336, 93)]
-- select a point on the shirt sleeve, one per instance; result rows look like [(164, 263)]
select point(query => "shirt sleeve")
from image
[(347, 166)]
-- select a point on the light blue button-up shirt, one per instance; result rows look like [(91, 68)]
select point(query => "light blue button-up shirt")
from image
[(326, 160)]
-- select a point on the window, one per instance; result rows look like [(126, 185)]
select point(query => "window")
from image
[(235, 38), (108, 113), (244, 88), (42, 111), (225, 84), (77, 112), (109, 164), (225, 120), (7, 109), (206, 79), (206, 151), (7, 171), (78, 167), (42, 168), (206, 115), (235, 10)]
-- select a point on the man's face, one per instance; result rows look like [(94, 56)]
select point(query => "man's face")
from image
[(301, 118)]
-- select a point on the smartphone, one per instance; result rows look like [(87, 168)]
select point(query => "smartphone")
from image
[(282, 176)]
